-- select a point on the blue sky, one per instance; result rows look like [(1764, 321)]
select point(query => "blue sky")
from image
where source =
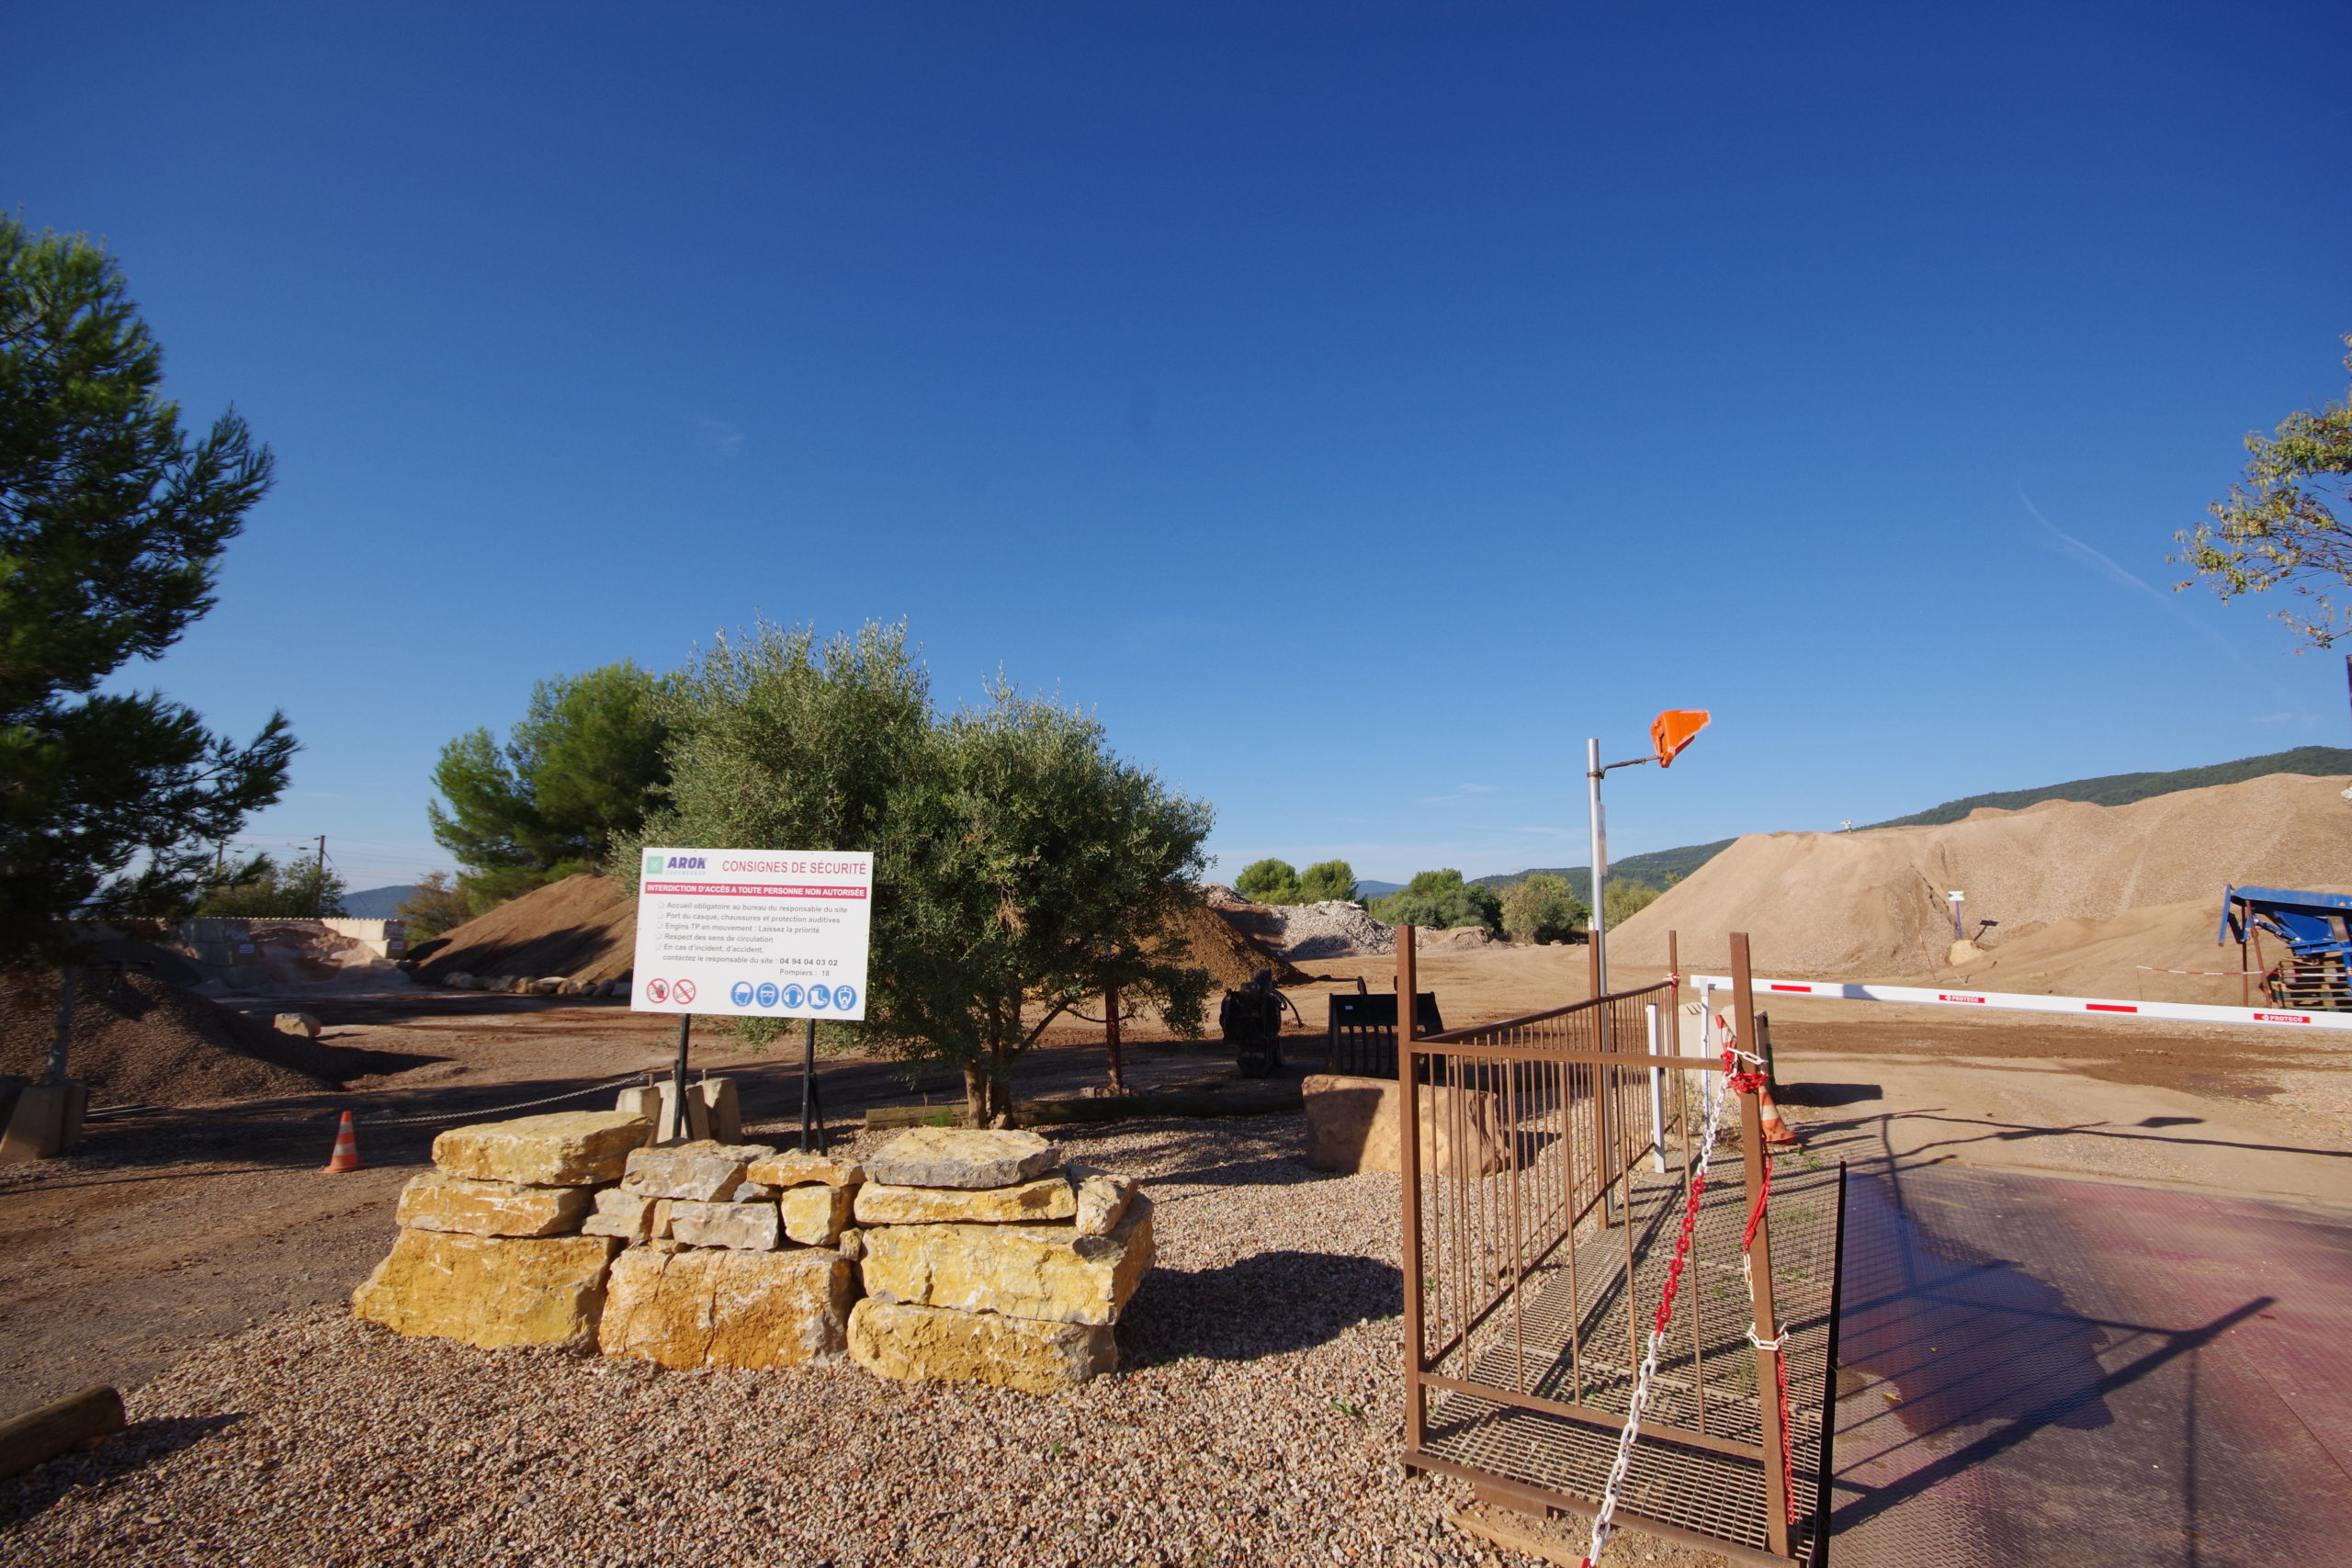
[(1357, 405)]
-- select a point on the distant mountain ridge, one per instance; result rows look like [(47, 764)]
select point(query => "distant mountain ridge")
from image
[(2113, 789), (2122, 789), (377, 903)]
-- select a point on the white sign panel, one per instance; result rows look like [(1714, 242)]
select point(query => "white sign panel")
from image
[(758, 934)]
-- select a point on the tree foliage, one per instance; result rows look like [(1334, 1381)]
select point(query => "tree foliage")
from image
[(1439, 900), (1623, 900), (267, 888), (1542, 906), (1327, 880), (112, 524), (1269, 881), (2281, 527), (438, 905), (1018, 863), (577, 775)]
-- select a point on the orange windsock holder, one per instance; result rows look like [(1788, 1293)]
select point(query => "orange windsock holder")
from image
[(1675, 728)]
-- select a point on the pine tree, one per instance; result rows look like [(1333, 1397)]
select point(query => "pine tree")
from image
[(112, 524)]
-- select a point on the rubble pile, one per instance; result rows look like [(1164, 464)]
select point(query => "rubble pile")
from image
[(958, 1255)]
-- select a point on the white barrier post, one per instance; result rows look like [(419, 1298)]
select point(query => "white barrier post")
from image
[(1657, 1100)]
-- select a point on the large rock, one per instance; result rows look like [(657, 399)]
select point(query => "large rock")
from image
[(624, 1214), (795, 1168), (439, 1201), (1352, 1125), (950, 1156), (1047, 1198), (750, 1227), (703, 1172), (491, 1290), (1049, 1273), (1100, 1198), (815, 1216), (910, 1343), (737, 1309), (569, 1149)]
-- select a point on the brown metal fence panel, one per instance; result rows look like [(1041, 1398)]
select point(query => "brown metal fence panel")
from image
[(1547, 1192)]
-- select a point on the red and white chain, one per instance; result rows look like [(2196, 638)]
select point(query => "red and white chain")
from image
[(1737, 1082)]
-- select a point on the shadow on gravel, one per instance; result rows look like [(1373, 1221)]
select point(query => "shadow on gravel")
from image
[(134, 1448), (1264, 1304)]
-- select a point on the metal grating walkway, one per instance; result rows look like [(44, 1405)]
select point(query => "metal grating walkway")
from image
[(1718, 1495)]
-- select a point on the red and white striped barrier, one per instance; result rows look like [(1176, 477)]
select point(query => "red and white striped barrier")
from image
[(2187, 1012)]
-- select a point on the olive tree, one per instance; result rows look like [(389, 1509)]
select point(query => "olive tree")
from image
[(1018, 863), (2279, 525)]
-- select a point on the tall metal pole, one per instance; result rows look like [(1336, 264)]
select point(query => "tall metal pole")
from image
[(809, 1086), (679, 1122), (62, 1043), (1753, 1156), (1597, 926), (1409, 1167)]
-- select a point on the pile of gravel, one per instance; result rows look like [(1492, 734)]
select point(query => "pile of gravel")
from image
[(1333, 929), (1258, 1419)]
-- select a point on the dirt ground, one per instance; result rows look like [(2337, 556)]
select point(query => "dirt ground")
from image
[(173, 1229)]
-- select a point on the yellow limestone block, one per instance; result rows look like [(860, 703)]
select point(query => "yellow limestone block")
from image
[(570, 1148), (910, 1343), (1049, 1273), (439, 1201), (1352, 1125), (705, 1305), (491, 1290), (814, 1216), (795, 1168), (1048, 1197)]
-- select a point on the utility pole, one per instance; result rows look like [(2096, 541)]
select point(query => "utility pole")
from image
[(319, 894)]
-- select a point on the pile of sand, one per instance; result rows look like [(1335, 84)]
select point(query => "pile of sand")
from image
[(1870, 904), (583, 927), (1227, 956), (137, 1040)]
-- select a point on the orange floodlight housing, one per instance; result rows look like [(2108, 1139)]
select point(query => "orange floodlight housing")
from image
[(1675, 728)]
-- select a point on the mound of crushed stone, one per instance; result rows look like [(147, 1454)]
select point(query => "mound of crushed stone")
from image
[(138, 1040), (1872, 903), (1333, 929)]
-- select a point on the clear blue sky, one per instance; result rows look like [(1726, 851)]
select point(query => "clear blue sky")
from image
[(1357, 404)]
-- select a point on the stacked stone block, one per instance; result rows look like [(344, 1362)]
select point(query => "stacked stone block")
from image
[(736, 1257), (980, 1256), (985, 1259), (490, 1250)]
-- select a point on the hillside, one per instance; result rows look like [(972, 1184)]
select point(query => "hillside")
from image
[(1654, 869), (2122, 789), (2114, 789)]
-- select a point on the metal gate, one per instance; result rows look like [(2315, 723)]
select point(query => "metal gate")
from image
[(1547, 1197)]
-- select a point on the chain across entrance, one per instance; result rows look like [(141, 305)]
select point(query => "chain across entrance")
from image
[(1599, 1320)]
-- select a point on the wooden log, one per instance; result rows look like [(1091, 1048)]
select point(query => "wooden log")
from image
[(38, 1436), (1271, 1100)]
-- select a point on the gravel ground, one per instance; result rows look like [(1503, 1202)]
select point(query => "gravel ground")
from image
[(1258, 1420)]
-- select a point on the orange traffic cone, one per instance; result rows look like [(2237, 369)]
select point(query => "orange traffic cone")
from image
[(1775, 1130), (347, 1149)]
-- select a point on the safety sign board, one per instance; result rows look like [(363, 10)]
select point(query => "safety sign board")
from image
[(759, 933)]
